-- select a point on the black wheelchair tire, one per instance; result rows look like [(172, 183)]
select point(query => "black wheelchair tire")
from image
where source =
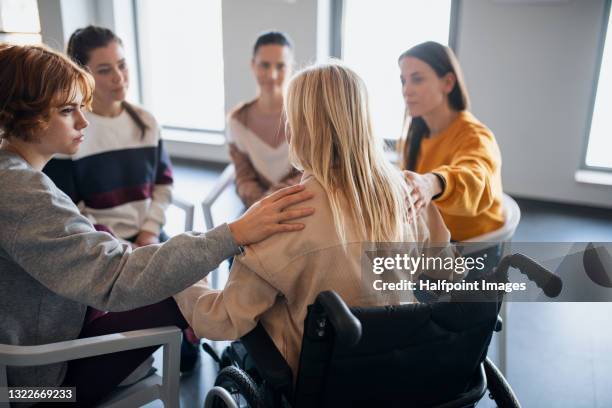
[(501, 392), (237, 382)]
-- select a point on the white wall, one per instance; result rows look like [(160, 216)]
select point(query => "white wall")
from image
[(530, 71), (59, 19), (50, 12), (19, 22)]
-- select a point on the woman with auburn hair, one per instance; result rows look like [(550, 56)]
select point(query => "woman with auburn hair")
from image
[(449, 156), (359, 197), (54, 264)]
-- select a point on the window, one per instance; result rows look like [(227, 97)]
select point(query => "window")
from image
[(19, 22), (181, 64), (599, 142), (374, 36)]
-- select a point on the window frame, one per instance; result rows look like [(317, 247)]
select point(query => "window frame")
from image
[(596, 75), (22, 34), (337, 41)]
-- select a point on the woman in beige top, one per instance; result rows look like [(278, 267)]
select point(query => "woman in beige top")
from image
[(359, 197), (256, 130)]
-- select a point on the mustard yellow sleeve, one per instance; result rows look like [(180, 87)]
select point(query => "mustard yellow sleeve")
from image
[(470, 177), (230, 313)]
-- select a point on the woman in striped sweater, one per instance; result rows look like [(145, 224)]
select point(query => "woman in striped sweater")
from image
[(121, 177)]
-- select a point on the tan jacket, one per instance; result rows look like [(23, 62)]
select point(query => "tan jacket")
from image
[(278, 278)]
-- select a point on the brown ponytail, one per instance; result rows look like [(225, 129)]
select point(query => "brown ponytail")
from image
[(136, 118)]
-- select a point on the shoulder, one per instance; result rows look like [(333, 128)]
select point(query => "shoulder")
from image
[(29, 191), (146, 116), (470, 134), (16, 174), (238, 112), (278, 251), (236, 123), (470, 127), (322, 217), (473, 140)]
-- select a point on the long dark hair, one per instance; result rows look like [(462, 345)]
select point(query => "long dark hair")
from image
[(82, 42), (442, 60)]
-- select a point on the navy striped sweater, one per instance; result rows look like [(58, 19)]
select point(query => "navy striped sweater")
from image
[(120, 179)]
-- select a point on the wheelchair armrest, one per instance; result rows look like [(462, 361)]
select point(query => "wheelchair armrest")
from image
[(270, 363), (550, 283), (346, 325)]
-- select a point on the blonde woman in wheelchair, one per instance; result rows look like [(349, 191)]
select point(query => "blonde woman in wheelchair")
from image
[(359, 197)]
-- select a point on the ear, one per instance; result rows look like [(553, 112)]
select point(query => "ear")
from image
[(450, 79)]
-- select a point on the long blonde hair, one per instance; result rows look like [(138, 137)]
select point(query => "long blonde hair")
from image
[(331, 137)]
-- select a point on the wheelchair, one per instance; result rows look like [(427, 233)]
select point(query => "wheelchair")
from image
[(411, 355)]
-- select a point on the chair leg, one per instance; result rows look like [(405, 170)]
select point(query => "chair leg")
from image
[(3, 388), (170, 379)]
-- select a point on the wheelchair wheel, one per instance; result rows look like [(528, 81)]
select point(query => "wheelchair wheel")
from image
[(243, 390), (499, 389)]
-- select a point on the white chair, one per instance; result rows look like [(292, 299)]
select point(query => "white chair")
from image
[(512, 216), (165, 388), (189, 209), (225, 180), (503, 235)]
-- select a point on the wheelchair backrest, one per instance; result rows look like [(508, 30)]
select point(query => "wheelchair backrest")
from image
[(408, 355)]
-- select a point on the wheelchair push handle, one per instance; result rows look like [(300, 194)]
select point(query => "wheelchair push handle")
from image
[(347, 327), (550, 283)]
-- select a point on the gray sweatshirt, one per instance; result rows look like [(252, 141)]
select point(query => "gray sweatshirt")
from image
[(53, 263)]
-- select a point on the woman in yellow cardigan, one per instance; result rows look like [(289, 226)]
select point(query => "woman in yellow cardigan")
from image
[(449, 156)]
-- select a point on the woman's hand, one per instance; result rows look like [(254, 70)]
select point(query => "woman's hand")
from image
[(267, 216), (424, 188), (145, 238)]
